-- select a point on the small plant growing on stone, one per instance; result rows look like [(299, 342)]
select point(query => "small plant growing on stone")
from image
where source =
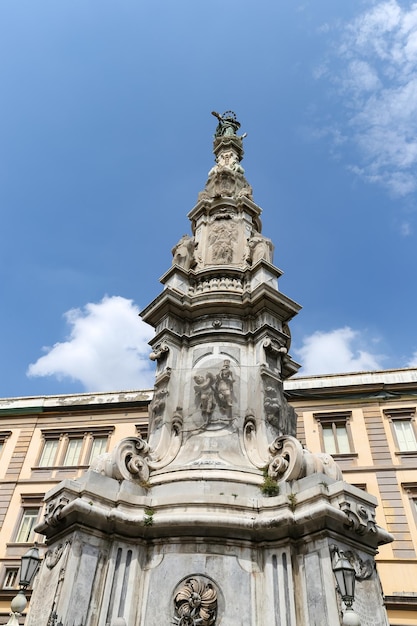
[(269, 486), (292, 498), (148, 519)]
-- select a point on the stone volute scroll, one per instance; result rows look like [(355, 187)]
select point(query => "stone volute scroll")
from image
[(129, 460)]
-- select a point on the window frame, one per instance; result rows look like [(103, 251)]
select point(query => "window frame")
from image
[(46, 441), (64, 437), (411, 490), (28, 502), (8, 569), (334, 419), (396, 415)]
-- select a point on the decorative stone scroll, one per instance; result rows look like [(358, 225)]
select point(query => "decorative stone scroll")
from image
[(195, 603), (129, 460), (290, 461), (160, 352), (359, 518), (54, 509)]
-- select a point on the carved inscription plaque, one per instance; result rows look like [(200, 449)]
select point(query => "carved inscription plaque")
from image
[(368, 604)]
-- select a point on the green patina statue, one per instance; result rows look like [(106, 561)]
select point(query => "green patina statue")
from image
[(228, 124)]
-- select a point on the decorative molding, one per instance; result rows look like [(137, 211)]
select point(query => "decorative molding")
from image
[(359, 518), (54, 509)]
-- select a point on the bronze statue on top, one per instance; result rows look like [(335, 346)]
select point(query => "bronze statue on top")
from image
[(228, 124)]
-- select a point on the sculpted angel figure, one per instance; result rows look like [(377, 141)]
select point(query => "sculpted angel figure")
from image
[(204, 393), (224, 388)]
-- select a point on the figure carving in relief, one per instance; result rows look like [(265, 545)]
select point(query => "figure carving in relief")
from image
[(221, 238), (204, 393), (224, 388), (271, 403), (158, 403), (260, 247), (183, 252)]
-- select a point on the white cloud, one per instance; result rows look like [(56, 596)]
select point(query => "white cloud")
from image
[(413, 361), (106, 349), (406, 229), (335, 352), (377, 85)]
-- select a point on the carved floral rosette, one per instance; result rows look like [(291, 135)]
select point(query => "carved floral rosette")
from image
[(195, 603)]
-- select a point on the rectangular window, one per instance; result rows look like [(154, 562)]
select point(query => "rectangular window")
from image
[(403, 428), (73, 452), (49, 451), (335, 439), (11, 578), (405, 434), (99, 446), (25, 533), (335, 432), (4, 434)]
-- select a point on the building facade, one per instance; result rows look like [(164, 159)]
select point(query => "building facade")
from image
[(365, 420), (43, 441)]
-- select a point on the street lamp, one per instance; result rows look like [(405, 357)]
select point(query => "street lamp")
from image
[(345, 577), (28, 567)]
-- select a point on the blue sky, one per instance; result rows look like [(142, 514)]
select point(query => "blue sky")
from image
[(106, 140)]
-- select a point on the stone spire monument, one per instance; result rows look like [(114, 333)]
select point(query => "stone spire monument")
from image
[(221, 518)]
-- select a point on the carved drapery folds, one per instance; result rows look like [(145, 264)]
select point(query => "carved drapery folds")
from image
[(260, 247), (183, 252), (195, 603), (215, 390)]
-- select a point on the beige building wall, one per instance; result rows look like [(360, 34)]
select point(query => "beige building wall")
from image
[(370, 416), (43, 441), (373, 415)]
